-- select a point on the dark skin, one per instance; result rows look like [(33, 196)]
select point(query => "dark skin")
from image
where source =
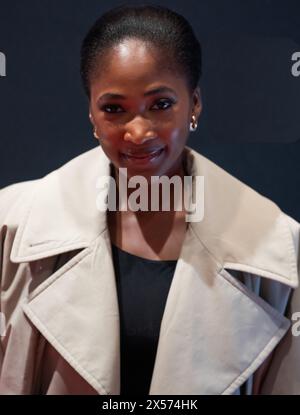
[(136, 121), (131, 71)]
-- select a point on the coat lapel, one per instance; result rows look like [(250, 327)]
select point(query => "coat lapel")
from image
[(214, 332), (76, 310)]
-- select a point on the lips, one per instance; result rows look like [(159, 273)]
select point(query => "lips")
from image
[(144, 154), (143, 159)]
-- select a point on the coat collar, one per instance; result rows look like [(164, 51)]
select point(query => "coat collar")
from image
[(210, 322), (241, 229)]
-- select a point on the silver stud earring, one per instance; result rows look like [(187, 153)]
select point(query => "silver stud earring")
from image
[(193, 124)]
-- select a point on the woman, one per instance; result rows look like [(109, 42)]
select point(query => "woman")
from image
[(144, 301)]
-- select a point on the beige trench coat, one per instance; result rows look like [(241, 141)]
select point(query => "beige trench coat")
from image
[(226, 311)]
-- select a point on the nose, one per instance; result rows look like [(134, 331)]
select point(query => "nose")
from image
[(139, 132)]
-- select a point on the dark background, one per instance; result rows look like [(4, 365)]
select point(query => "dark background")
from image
[(250, 123)]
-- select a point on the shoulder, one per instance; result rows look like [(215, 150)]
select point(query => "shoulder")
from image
[(248, 234), (13, 199)]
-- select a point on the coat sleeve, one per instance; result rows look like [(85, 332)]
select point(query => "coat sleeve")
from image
[(7, 196), (283, 374), (2, 316), (4, 203), (11, 202)]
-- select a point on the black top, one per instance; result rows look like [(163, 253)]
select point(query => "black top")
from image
[(142, 286)]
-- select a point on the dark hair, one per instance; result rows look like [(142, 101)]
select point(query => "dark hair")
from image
[(160, 27)]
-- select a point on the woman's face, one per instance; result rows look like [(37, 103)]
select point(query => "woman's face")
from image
[(140, 112)]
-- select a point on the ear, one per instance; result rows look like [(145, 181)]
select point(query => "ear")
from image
[(197, 102)]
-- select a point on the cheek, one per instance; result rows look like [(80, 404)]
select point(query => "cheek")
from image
[(110, 134), (175, 134), (177, 137), (176, 128), (111, 151), (108, 130), (110, 146)]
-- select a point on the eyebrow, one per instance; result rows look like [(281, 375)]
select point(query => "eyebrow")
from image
[(154, 91)]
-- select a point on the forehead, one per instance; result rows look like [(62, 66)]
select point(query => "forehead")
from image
[(134, 64)]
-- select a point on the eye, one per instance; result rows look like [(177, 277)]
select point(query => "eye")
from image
[(111, 108), (164, 104)]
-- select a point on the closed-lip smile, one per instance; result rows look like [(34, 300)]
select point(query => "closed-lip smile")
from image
[(143, 153)]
